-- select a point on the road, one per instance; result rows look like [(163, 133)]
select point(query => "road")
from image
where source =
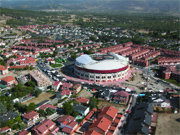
[(124, 117)]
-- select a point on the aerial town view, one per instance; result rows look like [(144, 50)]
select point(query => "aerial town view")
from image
[(89, 67)]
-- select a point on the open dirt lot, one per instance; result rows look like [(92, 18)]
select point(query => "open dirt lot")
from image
[(42, 97), (117, 106), (167, 124), (85, 94)]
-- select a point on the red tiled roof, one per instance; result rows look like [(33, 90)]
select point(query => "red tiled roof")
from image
[(82, 100), (4, 129), (67, 130), (109, 133), (45, 106), (110, 111), (92, 132), (72, 124), (89, 115), (8, 78), (24, 132), (2, 67), (56, 83), (122, 93), (66, 120), (65, 92), (17, 66), (30, 115), (101, 123), (43, 126)]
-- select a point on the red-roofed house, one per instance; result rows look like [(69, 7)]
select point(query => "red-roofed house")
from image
[(66, 86), (3, 70), (77, 88), (30, 118), (24, 132), (46, 127), (45, 106), (101, 126), (92, 132), (56, 85), (121, 97), (82, 100), (108, 112), (5, 130), (9, 80), (67, 123)]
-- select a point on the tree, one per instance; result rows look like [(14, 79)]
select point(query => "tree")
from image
[(11, 64), (42, 113), (2, 109), (31, 106), (49, 111), (67, 108), (30, 84), (37, 93), (75, 113), (93, 102)]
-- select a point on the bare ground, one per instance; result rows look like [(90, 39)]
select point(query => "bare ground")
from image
[(167, 124), (42, 97), (117, 106)]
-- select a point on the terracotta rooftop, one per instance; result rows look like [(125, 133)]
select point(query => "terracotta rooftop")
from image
[(30, 115), (8, 78)]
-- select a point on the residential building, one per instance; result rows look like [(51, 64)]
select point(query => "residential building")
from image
[(9, 80), (46, 127), (83, 110), (30, 118), (99, 127), (108, 112), (67, 123), (24, 132), (82, 100), (5, 130), (77, 88), (121, 97), (3, 70)]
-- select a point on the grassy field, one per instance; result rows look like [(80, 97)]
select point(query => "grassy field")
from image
[(56, 65), (40, 98), (167, 124)]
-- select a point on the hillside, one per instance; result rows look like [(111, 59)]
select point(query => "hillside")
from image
[(137, 6)]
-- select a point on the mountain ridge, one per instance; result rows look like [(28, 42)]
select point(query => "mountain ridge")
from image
[(139, 6)]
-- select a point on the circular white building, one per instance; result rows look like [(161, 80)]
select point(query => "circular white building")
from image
[(101, 67)]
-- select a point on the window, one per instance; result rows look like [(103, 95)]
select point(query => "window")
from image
[(109, 77)]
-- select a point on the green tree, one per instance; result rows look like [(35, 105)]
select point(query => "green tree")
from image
[(31, 106), (37, 92), (11, 64), (75, 113), (30, 84), (93, 102), (49, 111), (42, 113), (68, 108), (2, 109)]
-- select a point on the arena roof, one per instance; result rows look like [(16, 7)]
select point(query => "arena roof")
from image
[(86, 62)]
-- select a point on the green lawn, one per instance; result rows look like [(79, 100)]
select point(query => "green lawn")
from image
[(57, 60), (172, 81), (56, 65)]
